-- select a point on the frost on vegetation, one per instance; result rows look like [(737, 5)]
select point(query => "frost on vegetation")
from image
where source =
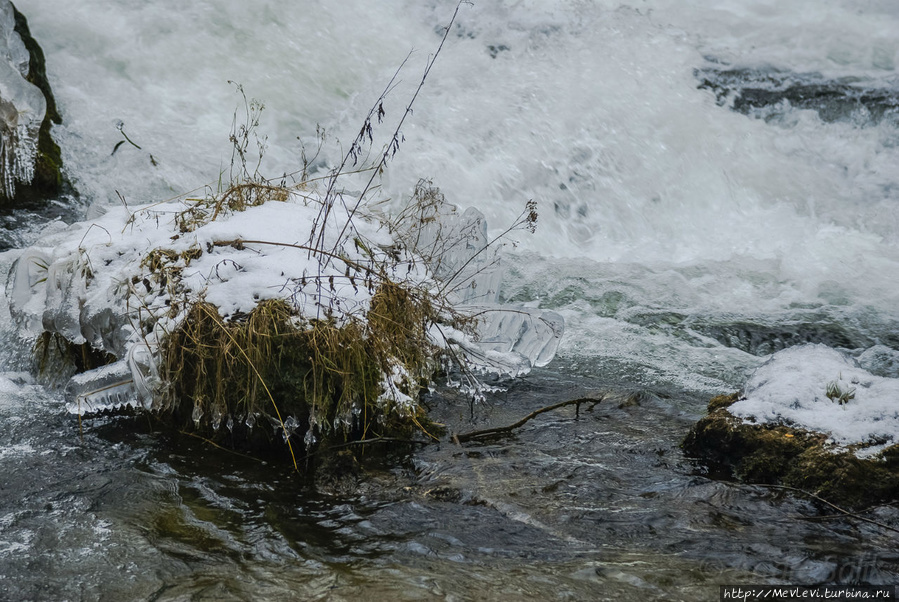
[(195, 298), (509, 339), (22, 107), (820, 389), (293, 303)]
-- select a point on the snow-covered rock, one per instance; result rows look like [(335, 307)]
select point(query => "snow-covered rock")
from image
[(802, 387), (810, 418)]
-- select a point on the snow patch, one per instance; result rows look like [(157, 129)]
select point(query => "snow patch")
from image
[(792, 389)]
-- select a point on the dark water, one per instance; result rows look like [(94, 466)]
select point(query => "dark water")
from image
[(599, 506)]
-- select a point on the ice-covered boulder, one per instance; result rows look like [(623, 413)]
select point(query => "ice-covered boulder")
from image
[(30, 162)]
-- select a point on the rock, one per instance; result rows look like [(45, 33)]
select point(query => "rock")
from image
[(776, 454), (769, 93), (32, 165)]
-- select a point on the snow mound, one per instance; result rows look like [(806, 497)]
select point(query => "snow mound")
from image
[(123, 282), (817, 388)]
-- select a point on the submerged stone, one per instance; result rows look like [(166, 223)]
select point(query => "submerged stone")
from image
[(778, 454)]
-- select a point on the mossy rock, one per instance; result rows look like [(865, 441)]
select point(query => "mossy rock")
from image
[(49, 181), (782, 455)]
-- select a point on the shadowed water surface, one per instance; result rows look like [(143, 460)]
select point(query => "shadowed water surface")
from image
[(598, 505)]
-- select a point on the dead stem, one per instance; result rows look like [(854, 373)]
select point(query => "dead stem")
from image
[(831, 504), (505, 430)]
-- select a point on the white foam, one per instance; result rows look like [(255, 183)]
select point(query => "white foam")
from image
[(645, 187)]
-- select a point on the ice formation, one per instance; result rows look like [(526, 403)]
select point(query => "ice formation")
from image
[(511, 338), (817, 388), (22, 107), (123, 281)]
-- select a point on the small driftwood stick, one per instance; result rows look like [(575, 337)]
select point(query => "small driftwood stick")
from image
[(502, 430)]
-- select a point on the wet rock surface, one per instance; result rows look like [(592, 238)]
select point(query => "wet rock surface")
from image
[(47, 181), (770, 93), (782, 455)]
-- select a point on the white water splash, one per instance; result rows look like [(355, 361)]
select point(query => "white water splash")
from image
[(659, 209)]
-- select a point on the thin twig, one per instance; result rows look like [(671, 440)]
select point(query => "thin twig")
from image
[(486, 433), (313, 250), (364, 442), (217, 446), (355, 147), (463, 368), (519, 222), (394, 144)]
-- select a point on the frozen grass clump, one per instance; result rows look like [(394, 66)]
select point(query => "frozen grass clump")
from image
[(223, 314), (275, 305), (285, 303)]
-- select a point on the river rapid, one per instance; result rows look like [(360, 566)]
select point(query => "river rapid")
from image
[(715, 182)]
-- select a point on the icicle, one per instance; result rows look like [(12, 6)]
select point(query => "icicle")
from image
[(309, 440), (290, 425), (197, 414), (101, 389), (22, 108)]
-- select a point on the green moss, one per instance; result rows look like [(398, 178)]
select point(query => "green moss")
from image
[(48, 176), (855, 482), (722, 401), (891, 456), (781, 455)]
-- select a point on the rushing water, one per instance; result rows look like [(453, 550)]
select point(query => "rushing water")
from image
[(715, 182)]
